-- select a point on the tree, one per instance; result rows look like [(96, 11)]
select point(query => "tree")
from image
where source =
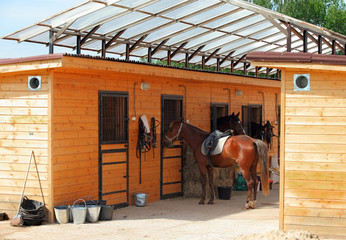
[(330, 14)]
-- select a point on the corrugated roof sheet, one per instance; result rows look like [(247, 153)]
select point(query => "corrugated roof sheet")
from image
[(225, 29)]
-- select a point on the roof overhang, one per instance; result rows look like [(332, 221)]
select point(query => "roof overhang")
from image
[(298, 60)]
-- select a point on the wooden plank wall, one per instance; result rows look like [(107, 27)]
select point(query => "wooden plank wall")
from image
[(314, 196), (23, 128), (75, 123)]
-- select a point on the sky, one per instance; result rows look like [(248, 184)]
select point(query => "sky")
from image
[(18, 14)]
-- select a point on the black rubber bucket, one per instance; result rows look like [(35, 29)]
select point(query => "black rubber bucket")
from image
[(224, 193), (106, 212)]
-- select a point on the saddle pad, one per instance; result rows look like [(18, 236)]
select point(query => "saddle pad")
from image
[(217, 150)]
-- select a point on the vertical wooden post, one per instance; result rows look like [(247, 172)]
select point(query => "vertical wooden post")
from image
[(256, 71), (267, 72), (78, 51), (319, 44), (289, 38), (169, 57), (51, 44), (305, 41), (232, 66), (333, 47), (187, 60), (218, 64), (203, 62), (245, 70), (277, 73), (103, 52), (127, 51), (149, 54)]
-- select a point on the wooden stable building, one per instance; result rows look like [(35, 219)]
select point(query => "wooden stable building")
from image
[(313, 141), (81, 121)]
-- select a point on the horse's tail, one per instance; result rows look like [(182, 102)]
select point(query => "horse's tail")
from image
[(262, 151)]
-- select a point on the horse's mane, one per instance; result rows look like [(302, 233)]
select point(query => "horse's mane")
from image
[(196, 128)]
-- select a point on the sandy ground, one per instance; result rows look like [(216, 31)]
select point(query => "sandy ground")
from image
[(177, 218)]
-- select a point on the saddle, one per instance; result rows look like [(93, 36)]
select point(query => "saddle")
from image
[(213, 144)]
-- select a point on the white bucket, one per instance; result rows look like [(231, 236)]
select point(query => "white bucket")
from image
[(79, 212), (93, 213), (62, 214)]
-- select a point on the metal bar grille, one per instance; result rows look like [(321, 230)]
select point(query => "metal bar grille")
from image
[(113, 119)]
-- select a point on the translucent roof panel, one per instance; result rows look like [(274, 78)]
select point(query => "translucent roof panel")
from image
[(161, 6), (207, 15), (98, 17), (166, 32), (73, 14), (201, 40), (193, 7), (180, 26)]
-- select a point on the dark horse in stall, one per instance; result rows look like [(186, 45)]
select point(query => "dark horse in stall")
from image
[(230, 122), (242, 150)]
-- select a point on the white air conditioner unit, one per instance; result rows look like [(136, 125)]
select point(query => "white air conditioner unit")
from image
[(301, 82), (34, 83)]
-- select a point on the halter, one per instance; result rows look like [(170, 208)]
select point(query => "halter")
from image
[(176, 136)]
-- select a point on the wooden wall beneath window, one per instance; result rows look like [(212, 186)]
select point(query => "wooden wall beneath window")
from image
[(313, 196)]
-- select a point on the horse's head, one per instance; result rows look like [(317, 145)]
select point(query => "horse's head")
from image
[(172, 133), (235, 124)]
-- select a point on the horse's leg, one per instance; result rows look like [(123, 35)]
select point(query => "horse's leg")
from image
[(211, 184), (249, 182), (203, 182), (203, 171), (254, 177)]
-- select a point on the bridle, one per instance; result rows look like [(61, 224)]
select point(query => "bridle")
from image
[(176, 136)]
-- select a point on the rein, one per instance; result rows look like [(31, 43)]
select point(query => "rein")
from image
[(176, 136)]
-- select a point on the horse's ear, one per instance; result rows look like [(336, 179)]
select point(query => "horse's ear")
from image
[(238, 114), (232, 114)]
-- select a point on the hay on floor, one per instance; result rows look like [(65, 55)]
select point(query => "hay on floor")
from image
[(192, 184)]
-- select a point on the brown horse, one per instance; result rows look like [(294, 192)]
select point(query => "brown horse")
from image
[(241, 150)]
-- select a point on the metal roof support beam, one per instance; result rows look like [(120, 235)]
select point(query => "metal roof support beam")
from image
[(92, 31), (195, 52), (236, 63), (340, 47), (225, 58), (178, 49), (137, 43), (212, 55), (116, 36), (157, 48)]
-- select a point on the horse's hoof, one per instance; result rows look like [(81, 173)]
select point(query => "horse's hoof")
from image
[(201, 202), (246, 206), (253, 204), (210, 202)]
